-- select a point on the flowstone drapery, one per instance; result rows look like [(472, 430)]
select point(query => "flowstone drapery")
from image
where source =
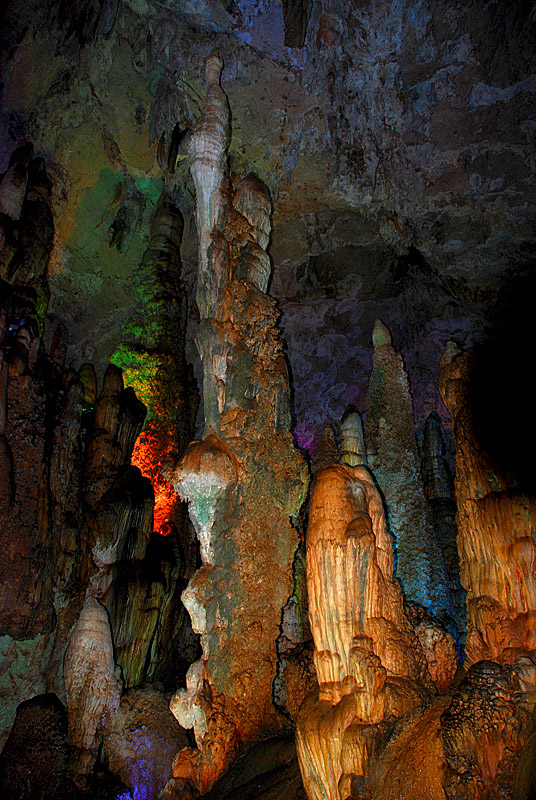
[(244, 480)]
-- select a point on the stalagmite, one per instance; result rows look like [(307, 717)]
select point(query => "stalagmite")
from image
[(207, 148), (439, 489), (369, 664), (327, 452), (152, 356), (88, 381), (252, 200), (92, 683), (30, 264), (496, 523), (395, 461), (244, 481), (13, 183), (352, 445)]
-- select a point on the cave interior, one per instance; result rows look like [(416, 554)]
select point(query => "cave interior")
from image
[(267, 472)]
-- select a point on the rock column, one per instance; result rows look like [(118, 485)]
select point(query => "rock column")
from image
[(395, 462), (244, 480)]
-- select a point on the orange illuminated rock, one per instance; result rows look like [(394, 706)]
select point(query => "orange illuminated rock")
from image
[(369, 664), (496, 522), (245, 481)]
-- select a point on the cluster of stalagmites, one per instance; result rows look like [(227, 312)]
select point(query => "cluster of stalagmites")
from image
[(350, 633), (387, 720), (89, 595)]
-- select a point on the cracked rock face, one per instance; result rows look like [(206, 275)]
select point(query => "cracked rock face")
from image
[(396, 139)]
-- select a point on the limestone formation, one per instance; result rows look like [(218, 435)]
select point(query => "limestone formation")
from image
[(495, 525), (395, 461), (369, 664), (244, 481), (352, 445), (30, 264), (438, 646), (147, 607), (327, 452), (207, 148), (485, 728), (14, 180), (92, 684), (34, 761), (142, 740), (439, 488), (70, 500), (88, 382)]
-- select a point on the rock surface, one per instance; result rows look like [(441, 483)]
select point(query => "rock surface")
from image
[(396, 139), (370, 666), (394, 458), (244, 481), (495, 523)]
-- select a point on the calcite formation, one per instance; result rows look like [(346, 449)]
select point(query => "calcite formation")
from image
[(152, 356), (141, 741), (466, 745), (75, 514), (244, 481), (439, 488), (92, 684), (369, 663), (35, 759), (26, 225), (496, 520), (395, 461)]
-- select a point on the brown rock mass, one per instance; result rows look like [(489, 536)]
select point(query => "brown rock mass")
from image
[(244, 481)]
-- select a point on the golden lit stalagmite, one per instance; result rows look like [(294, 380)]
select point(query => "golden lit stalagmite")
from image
[(369, 664)]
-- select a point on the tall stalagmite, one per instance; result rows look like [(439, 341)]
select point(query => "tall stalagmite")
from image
[(395, 461), (369, 664), (244, 481), (496, 523)]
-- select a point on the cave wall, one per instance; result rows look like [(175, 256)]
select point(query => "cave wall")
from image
[(396, 139)]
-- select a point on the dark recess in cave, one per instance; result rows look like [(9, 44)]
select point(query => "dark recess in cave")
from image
[(502, 388)]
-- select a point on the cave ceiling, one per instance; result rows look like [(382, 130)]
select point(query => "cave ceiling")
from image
[(396, 138)]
